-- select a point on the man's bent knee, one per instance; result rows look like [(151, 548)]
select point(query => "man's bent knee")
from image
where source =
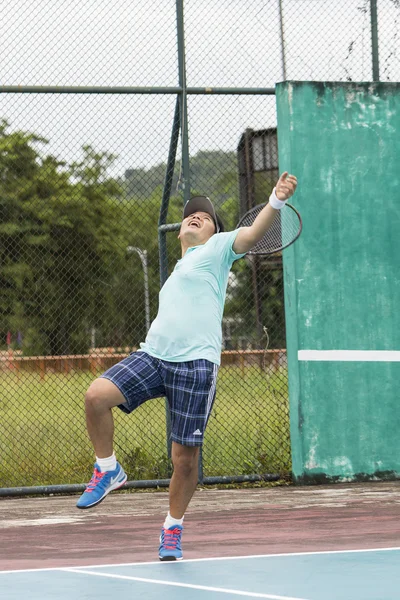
[(185, 458), (102, 393)]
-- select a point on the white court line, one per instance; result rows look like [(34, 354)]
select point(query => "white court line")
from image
[(215, 558), (350, 355), (205, 588)]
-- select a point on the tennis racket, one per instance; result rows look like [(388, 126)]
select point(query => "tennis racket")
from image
[(284, 230)]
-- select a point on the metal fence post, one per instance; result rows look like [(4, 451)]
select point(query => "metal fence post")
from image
[(375, 40), (283, 53), (184, 177), (162, 234)]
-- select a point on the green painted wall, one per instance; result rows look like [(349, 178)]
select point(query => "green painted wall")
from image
[(342, 277)]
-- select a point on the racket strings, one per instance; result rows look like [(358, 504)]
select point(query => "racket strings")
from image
[(285, 228)]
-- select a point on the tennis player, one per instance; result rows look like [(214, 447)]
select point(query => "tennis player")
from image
[(179, 358)]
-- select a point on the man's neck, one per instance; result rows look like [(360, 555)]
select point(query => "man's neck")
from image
[(191, 243), (186, 245)]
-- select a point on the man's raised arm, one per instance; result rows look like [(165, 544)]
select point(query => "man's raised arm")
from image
[(248, 237)]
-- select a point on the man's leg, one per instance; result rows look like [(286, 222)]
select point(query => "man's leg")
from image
[(127, 384), (185, 460), (100, 398), (182, 487), (190, 390), (108, 475)]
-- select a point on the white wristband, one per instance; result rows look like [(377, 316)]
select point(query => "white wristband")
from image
[(275, 202)]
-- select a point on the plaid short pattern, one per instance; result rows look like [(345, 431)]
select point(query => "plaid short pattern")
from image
[(188, 386)]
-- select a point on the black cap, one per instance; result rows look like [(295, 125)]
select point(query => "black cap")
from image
[(203, 204)]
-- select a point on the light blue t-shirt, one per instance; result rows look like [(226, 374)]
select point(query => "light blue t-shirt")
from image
[(191, 304)]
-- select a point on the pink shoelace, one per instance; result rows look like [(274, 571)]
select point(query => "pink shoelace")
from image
[(96, 477), (171, 538)]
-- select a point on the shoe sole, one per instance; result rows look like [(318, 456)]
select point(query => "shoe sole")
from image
[(112, 489)]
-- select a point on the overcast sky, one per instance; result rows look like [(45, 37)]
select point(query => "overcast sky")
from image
[(133, 43)]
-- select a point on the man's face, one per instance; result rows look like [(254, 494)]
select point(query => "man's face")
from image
[(197, 228)]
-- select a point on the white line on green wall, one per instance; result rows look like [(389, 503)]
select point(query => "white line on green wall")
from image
[(350, 355)]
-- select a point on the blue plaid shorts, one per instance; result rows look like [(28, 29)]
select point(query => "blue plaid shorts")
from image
[(188, 386)]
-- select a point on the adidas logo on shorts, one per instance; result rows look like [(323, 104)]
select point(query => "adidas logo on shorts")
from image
[(197, 432)]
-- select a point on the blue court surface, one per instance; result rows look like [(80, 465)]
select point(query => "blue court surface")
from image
[(347, 575)]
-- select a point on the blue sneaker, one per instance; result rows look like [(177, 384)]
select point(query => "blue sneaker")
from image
[(100, 485), (170, 543)]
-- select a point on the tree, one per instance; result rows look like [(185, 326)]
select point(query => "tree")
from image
[(59, 244)]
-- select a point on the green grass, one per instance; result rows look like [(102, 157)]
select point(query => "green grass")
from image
[(43, 439)]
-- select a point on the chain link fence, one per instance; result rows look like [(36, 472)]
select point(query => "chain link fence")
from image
[(110, 111)]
